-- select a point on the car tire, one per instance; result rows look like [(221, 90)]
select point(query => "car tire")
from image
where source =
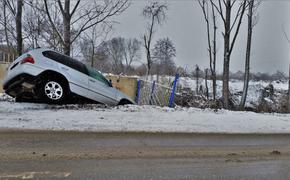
[(53, 91), (124, 102), (19, 99)]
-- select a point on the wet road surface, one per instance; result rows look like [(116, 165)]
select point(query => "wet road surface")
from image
[(74, 155)]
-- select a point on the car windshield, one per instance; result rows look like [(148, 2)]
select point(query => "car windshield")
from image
[(98, 76)]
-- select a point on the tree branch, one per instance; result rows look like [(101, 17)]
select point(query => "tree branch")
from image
[(51, 22), (75, 8), (88, 24), (238, 27)]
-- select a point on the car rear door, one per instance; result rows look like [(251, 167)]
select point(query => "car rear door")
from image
[(75, 72), (78, 80)]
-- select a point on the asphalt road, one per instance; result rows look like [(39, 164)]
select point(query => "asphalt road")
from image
[(73, 155)]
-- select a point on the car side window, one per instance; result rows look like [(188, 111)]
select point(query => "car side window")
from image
[(66, 60), (98, 76)]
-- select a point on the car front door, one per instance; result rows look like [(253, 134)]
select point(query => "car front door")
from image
[(100, 88)]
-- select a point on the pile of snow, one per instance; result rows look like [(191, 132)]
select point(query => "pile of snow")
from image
[(255, 91), (236, 88), (5, 97), (137, 119)]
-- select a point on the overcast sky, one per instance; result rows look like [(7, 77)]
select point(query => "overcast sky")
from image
[(185, 26)]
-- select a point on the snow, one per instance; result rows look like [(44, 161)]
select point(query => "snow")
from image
[(146, 118), (236, 87), (137, 119)]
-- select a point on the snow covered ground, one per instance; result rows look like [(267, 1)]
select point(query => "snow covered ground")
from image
[(137, 119), (145, 118), (254, 91), (236, 88)]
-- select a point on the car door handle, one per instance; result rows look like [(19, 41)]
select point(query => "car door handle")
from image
[(64, 68), (92, 80)]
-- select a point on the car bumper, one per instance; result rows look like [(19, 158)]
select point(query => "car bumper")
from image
[(20, 84)]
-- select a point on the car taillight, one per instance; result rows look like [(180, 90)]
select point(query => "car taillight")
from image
[(28, 59)]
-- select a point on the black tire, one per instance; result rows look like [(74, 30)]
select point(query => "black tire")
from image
[(53, 91), (124, 102), (26, 98), (19, 99)]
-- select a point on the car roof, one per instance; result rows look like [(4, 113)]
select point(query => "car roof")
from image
[(41, 50)]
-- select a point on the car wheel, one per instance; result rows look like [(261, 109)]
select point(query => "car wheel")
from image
[(53, 91), (19, 99), (124, 102)]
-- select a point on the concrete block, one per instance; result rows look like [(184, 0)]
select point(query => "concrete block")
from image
[(125, 84)]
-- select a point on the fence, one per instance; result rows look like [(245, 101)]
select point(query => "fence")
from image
[(152, 93)]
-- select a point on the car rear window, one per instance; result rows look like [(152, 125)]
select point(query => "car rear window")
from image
[(66, 60)]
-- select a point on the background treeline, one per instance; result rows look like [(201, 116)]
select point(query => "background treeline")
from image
[(81, 29)]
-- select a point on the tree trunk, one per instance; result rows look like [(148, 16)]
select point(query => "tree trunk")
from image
[(248, 55), (226, 80), (214, 54), (206, 85), (18, 21), (148, 45), (6, 28), (211, 44), (66, 28), (148, 62), (197, 80), (93, 56), (227, 54), (289, 91)]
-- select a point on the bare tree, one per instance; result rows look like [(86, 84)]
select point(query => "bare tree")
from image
[(114, 50), (18, 20), (156, 14), (115, 55), (91, 42), (288, 40), (289, 90), (132, 52), (12, 13), (81, 16), (97, 57), (22, 24), (208, 7), (206, 84), (252, 16), (33, 25), (225, 10), (6, 19), (164, 53), (197, 76), (38, 27)]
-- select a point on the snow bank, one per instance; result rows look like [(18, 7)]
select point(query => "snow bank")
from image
[(236, 88), (5, 97), (137, 118)]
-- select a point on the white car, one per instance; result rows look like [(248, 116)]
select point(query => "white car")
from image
[(48, 76)]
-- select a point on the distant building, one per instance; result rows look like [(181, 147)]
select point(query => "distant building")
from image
[(6, 55)]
